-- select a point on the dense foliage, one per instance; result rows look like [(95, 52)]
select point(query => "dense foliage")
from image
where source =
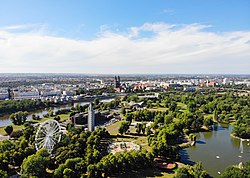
[(19, 118), (235, 172), (10, 106), (192, 171), (82, 154)]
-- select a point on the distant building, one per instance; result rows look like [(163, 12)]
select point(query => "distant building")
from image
[(26, 94), (48, 92), (210, 84), (117, 84), (225, 81), (91, 118), (4, 94)]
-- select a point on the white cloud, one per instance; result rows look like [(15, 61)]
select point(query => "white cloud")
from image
[(169, 11), (170, 48)]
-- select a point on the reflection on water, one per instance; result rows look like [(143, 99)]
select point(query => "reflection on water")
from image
[(5, 119), (217, 150)]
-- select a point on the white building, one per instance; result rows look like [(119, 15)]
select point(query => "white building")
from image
[(68, 93), (91, 118), (26, 94), (225, 81), (48, 92), (4, 94)]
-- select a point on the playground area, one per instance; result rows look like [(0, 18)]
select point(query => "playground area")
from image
[(122, 146)]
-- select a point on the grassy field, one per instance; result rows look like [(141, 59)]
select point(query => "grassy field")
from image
[(150, 172), (157, 109), (15, 127), (131, 137)]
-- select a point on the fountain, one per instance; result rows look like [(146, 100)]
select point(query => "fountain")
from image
[(241, 146)]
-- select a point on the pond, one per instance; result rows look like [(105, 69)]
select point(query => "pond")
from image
[(217, 150)]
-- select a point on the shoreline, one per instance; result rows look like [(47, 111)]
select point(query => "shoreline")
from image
[(243, 139)]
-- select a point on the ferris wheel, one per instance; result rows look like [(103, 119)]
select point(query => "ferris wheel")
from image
[(47, 135)]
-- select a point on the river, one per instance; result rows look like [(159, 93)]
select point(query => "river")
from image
[(216, 150), (4, 120)]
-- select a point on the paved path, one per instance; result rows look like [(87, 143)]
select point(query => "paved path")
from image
[(3, 137)]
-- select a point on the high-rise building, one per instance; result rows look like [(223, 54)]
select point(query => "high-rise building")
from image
[(91, 118)]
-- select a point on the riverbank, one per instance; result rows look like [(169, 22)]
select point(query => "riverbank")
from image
[(243, 139), (52, 104), (4, 120)]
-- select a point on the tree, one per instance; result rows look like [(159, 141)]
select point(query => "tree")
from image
[(182, 173), (123, 111), (28, 130), (35, 165), (138, 128), (91, 169), (208, 122), (35, 117), (96, 101), (148, 131), (3, 174), (8, 129), (50, 113), (124, 127), (143, 129), (129, 117), (57, 118), (215, 115), (19, 118), (198, 171), (233, 172)]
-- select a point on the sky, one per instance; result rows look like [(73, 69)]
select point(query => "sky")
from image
[(125, 36)]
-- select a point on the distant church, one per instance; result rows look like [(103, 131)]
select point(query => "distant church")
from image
[(118, 87), (117, 82), (91, 118)]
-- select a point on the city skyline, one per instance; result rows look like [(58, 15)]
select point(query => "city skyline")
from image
[(164, 37)]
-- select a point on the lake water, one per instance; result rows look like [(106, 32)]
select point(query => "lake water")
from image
[(216, 150)]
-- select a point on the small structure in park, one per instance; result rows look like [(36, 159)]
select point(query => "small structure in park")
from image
[(165, 164), (122, 146)]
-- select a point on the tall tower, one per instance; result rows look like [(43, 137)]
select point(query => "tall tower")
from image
[(117, 82), (91, 118)]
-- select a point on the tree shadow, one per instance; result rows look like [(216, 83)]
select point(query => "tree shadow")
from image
[(200, 142), (121, 136), (149, 172), (185, 158)]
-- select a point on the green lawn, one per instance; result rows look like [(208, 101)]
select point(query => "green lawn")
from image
[(15, 127), (157, 109), (150, 172), (19, 127), (113, 128), (63, 117), (132, 136)]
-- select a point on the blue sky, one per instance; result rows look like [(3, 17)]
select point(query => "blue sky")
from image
[(128, 36)]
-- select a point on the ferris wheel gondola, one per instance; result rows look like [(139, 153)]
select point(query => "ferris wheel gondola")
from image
[(48, 135)]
